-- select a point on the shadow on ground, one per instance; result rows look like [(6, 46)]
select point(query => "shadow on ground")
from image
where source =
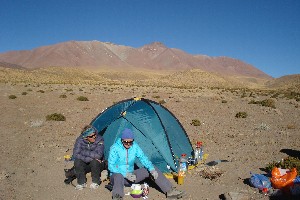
[(291, 152)]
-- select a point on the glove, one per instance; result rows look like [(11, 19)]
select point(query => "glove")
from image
[(131, 177), (154, 174)]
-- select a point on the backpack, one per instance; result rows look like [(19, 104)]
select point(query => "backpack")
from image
[(70, 175)]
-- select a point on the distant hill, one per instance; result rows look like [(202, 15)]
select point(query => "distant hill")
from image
[(291, 82), (100, 55), (193, 78), (9, 65)]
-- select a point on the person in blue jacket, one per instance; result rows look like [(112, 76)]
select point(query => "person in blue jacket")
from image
[(88, 157), (121, 161)]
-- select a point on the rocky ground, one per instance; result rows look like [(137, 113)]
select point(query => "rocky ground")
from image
[(32, 149)]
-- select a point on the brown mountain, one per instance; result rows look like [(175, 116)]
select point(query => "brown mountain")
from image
[(288, 82), (98, 55)]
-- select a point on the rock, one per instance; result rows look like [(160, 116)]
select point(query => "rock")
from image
[(236, 196)]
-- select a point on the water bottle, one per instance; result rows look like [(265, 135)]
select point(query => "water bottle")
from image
[(196, 154), (182, 169), (199, 151)]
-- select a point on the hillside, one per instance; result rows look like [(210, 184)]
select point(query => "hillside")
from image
[(289, 82), (9, 65), (181, 79)]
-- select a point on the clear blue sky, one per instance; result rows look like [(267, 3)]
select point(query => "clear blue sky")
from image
[(264, 33)]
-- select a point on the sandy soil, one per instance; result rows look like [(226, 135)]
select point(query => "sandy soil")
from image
[(32, 148)]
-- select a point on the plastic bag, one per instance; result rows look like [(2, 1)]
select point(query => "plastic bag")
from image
[(145, 191), (279, 172), (286, 180), (260, 181)]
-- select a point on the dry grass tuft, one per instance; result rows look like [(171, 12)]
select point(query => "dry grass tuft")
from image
[(209, 172), (56, 117)]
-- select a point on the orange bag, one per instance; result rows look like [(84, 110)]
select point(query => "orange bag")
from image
[(284, 181)]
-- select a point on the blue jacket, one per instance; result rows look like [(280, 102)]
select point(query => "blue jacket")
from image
[(121, 160), (87, 151)]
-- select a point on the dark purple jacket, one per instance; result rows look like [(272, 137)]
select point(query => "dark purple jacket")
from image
[(87, 151)]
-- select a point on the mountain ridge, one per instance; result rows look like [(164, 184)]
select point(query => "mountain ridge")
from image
[(155, 56)]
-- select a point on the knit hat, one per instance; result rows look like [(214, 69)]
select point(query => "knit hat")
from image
[(88, 132), (127, 134)]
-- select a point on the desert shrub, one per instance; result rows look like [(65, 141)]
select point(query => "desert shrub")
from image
[(41, 91), (253, 102), (292, 95), (224, 101), (286, 163), (63, 96), (69, 90), (251, 94), (195, 122), (24, 93), (291, 126), (244, 95), (268, 103), (82, 98), (275, 95), (29, 90), (210, 173), (241, 115), (80, 89), (12, 96), (157, 96), (56, 117)]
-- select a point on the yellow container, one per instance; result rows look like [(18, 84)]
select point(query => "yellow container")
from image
[(180, 179), (67, 157)]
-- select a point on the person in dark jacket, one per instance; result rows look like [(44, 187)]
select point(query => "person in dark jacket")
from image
[(88, 157)]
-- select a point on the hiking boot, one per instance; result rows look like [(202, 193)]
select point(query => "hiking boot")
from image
[(117, 197), (94, 185), (80, 187), (175, 194)]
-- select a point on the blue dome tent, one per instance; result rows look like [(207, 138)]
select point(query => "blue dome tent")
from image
[(157, 131)]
